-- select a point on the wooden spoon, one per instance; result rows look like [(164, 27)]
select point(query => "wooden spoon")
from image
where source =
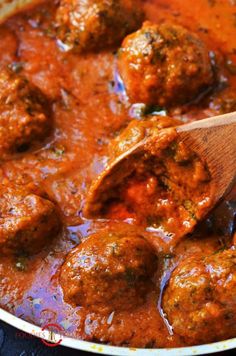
[(212, 139)]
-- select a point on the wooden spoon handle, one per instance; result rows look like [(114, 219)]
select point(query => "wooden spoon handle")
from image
[(216, 121)]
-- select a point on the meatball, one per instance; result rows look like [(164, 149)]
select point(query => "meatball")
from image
[(164, 64), (200, 300), (109, 272), (24, 113), (162, 185), (95, 24), (28, 220)]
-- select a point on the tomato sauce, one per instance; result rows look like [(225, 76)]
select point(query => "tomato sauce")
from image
[(88, 113)]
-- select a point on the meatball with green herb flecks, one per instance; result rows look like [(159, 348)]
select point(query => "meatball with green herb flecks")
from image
[(164, 65), (200, 300), (28, 219), (91, 25), (24, 114), (109, 272)]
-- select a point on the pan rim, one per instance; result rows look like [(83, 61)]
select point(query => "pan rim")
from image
[(102, 349)]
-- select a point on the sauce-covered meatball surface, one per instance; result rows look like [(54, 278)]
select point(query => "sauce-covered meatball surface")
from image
[(200, 299), (24, 114), (28, 219), (91, 25), (109, 271), (164, 64)]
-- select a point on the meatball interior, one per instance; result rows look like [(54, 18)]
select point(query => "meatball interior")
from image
[(109, 272), (96, 24), (24, 114), (200, 299), (28, 219), (164, 65)]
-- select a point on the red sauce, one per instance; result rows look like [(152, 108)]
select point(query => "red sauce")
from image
[(87, 115)]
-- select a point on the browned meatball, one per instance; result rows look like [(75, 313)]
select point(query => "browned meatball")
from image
[(109, 272), (28, 220), (164, 64), (200, 300), (24, 113), (95, 24)]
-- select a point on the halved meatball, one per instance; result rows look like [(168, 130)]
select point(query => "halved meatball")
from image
[(109, 272), (163, 185), (164, 64), (200, 300), (96, 24), (28, 220), (24, 113)]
